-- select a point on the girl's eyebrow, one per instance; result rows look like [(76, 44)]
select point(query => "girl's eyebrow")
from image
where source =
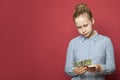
[(78, 26), (85, 24), (82, 25)]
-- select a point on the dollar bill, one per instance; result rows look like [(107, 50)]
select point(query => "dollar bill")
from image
[(77, 64), (87, 62), (83, 63)]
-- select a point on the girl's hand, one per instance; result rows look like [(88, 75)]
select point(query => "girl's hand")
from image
[(95, 68), (80, 70)]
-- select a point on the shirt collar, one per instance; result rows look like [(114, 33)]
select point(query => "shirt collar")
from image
[(93, 38)]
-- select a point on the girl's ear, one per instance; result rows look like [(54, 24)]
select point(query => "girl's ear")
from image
[(93, 20)]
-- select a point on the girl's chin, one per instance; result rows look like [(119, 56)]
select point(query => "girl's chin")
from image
[(87, 36)]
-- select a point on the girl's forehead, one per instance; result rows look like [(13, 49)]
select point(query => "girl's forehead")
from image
[(81, 20)]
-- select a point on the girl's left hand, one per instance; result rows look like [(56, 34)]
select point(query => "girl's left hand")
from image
[(95, 68)]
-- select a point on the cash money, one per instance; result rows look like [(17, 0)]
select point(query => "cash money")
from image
[(83, 63)]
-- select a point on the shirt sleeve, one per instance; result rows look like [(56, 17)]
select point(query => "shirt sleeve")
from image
[(69, 61), (109, 66)]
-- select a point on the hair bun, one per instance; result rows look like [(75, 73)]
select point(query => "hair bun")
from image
[(81, 9)]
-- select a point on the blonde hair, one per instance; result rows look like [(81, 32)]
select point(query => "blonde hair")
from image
[(81, 9)]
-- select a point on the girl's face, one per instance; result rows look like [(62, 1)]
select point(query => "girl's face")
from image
[(84, 25)]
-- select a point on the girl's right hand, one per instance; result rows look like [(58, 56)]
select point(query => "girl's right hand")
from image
[(79, 70)]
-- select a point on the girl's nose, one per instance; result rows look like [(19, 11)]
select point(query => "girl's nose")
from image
[(83, 30)]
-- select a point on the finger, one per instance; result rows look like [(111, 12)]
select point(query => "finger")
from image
[(82, 71), (76, 69)]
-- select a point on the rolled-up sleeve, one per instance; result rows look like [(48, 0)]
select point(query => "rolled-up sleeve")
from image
[(109, 66)]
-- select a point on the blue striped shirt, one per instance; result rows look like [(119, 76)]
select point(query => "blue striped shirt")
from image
[(98, 48)]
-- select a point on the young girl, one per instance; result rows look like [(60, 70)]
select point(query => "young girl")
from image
[(90, 46)]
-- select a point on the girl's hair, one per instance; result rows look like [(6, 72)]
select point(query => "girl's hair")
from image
[(81, 9)]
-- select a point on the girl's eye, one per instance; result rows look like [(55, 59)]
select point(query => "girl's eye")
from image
[(79, 27), (85, 25)]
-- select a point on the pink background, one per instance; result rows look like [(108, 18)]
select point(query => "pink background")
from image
[(34, 35)]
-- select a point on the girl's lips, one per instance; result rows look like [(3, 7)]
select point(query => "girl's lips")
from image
[(85, 34)]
